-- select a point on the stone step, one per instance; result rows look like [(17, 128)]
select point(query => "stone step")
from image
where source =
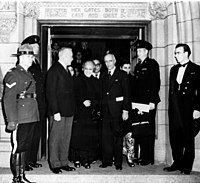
[(64, 178), (137, 174)]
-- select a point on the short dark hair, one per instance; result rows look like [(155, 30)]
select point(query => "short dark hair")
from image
[(186, 48)]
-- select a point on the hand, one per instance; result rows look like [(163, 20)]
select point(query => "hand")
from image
[(57, 117), (12, 126), (87, 103), (196, 114), (124, 115), (151, 106)]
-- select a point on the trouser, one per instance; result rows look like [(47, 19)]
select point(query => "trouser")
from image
[(20, 141), (146, 148), (59, 141), (183, 149), (112, 146)]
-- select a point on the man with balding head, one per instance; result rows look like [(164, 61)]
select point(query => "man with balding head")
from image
[(61, 105), (115, 106)]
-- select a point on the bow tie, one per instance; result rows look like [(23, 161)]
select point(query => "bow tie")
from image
[(182, 65)]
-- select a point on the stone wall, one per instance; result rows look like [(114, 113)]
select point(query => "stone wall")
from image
[(171, 23)]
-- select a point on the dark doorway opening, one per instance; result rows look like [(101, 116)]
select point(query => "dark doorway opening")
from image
[(115, 36)]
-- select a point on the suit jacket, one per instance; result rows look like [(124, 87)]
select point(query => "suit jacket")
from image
[(115, 92), (60, 91), (184, 99), (146, 82), (18, 81)]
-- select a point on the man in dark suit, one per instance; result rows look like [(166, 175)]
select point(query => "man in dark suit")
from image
[(184, 107), (115, 107), (145, 89), (61, 106)]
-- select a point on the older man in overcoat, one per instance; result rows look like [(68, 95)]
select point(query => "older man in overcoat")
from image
[(61, 106)]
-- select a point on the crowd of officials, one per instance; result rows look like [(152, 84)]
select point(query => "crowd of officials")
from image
[(97, 110)]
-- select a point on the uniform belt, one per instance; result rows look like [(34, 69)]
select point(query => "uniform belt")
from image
[(140, 123), (26, 95)]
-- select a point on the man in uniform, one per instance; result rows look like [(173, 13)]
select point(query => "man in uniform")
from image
[(145, 90), (184, 107), (21, 110), (40, 127)]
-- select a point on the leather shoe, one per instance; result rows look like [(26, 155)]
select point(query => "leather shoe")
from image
[(77, 164), (144, 163), (68, 168), (185, 171), (172, 168), (105, 165), (35, 165), (56, 170), (118, 167), (28, 168), (87, 165)]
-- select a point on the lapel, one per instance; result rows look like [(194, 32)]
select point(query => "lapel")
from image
[(188, 71), (113, 78), (64, 73)]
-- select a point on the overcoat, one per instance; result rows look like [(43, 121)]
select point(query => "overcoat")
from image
[(60, 91)]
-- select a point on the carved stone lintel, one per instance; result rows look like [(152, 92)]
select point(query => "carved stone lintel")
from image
[(31, 9), (158, 10)]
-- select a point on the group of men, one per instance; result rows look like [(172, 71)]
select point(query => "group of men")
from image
[(23, 109)]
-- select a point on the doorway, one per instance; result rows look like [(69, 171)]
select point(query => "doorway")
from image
[(114, 36)]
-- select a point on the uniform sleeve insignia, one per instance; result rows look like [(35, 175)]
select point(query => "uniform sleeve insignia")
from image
[(11, 85)]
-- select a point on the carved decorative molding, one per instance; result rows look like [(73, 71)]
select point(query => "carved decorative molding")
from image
[(158, 10), (31, 9), (8, 20)]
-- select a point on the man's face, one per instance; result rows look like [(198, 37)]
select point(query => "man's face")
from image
[(26, 60), (109, 61), (78, 55), (142, 53), (97, 67), (126, 68), (67, 56), (36, 48), (180, 55)]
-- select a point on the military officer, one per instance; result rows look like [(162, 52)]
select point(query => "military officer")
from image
[(40, 127), (145, 89), (21, 110)]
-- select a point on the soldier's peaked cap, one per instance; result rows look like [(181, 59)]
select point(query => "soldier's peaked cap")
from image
[(25, 49), (143, 44), (31, 40)]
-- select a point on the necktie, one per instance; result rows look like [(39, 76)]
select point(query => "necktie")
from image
[(68, 71), (109, 74)]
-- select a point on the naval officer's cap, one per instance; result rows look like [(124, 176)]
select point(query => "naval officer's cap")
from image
[(31, 40), (143, 44)]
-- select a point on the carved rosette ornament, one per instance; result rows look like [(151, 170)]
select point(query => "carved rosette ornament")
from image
[(8, 20), (158, 10), (31, 9)]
